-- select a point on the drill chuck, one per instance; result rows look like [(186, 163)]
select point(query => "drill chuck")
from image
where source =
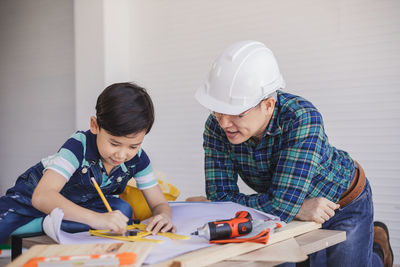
[(203, 231)]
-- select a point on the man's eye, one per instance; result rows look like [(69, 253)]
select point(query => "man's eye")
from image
[(114, 144), (133, 147)]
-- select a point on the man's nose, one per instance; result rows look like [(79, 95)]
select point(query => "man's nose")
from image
[(225, 120)]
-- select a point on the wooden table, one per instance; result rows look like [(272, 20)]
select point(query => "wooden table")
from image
[(309, 242), (50, 250)]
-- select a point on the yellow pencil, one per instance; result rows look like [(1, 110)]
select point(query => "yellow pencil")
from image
[(101, 195)]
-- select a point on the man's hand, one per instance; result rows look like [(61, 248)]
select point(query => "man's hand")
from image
[(198, 199), (318, 209)]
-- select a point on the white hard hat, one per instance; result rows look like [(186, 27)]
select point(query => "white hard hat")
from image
[(243, 75)]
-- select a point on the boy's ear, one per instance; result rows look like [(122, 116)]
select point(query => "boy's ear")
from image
[(94, 127)]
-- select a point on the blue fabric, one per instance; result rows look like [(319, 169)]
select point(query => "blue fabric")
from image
[(287, 264), (292, 162), (16, 206), (11, 220), (79, 153), (357, 220), (98, 205)]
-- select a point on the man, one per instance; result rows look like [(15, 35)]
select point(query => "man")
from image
[(277, 144)]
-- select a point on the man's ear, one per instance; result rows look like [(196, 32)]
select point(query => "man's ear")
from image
[(269, 105), (94, 127)]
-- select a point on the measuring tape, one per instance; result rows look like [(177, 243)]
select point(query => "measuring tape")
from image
[(125, 258)]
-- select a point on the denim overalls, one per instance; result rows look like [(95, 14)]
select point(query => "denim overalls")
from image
[(16, 206)]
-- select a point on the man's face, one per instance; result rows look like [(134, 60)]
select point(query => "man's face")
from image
[(240, 128)]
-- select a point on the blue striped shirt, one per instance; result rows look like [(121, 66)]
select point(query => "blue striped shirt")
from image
[(81, 148), (293, 161)]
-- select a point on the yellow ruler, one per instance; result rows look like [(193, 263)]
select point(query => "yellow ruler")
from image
[(136, 233)]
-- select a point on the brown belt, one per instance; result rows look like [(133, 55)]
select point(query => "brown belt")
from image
[(355, 188)]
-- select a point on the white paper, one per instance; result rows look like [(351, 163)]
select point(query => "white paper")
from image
[(52, 224), (187, 217)]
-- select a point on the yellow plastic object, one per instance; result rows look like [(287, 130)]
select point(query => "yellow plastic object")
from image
[(135, 198), (137, 238), (139, 235)]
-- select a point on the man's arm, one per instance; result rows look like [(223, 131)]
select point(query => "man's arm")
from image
[(299, 156)]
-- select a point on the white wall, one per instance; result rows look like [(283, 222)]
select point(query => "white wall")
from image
[(102, 51), (89, 58), (37, 106), (342, 55)]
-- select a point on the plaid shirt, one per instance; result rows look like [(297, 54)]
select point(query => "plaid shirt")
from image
[(293, 161)]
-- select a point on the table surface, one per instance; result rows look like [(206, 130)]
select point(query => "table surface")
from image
[(309, 242), (50, 250)]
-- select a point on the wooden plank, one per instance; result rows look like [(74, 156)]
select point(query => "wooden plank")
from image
[(320, 239), (287, 251), (309, 243), (292, 229), (37, 240), (141, 249), (218, 253)]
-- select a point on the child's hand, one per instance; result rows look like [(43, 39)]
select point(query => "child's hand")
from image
[(115, 221), (160, 223)]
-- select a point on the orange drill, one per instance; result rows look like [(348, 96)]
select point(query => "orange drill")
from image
[(225, 229)]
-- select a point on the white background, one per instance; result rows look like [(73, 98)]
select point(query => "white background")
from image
[(56, 57)]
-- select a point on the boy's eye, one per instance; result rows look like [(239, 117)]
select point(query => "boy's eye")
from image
[(133, 147), (113, 144)]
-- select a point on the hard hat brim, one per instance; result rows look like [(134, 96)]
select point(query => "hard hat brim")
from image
[(218, 106)]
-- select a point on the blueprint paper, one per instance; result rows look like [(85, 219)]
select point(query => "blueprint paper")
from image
[(187, 217)]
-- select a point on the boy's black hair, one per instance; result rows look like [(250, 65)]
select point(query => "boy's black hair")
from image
[(124, 108)]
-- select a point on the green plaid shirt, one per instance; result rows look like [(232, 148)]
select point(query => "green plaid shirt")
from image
[(293, 161)]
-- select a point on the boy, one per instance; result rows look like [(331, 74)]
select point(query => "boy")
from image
[(111, 153)]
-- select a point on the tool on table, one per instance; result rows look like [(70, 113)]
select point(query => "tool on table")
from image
[(125, 258), (259, 234), (101, 195), (136, 232), (240, 225)]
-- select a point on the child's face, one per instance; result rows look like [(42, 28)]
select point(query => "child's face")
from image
[(115, 150)]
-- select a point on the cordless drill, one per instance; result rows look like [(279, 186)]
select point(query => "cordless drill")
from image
[(240, 225)]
